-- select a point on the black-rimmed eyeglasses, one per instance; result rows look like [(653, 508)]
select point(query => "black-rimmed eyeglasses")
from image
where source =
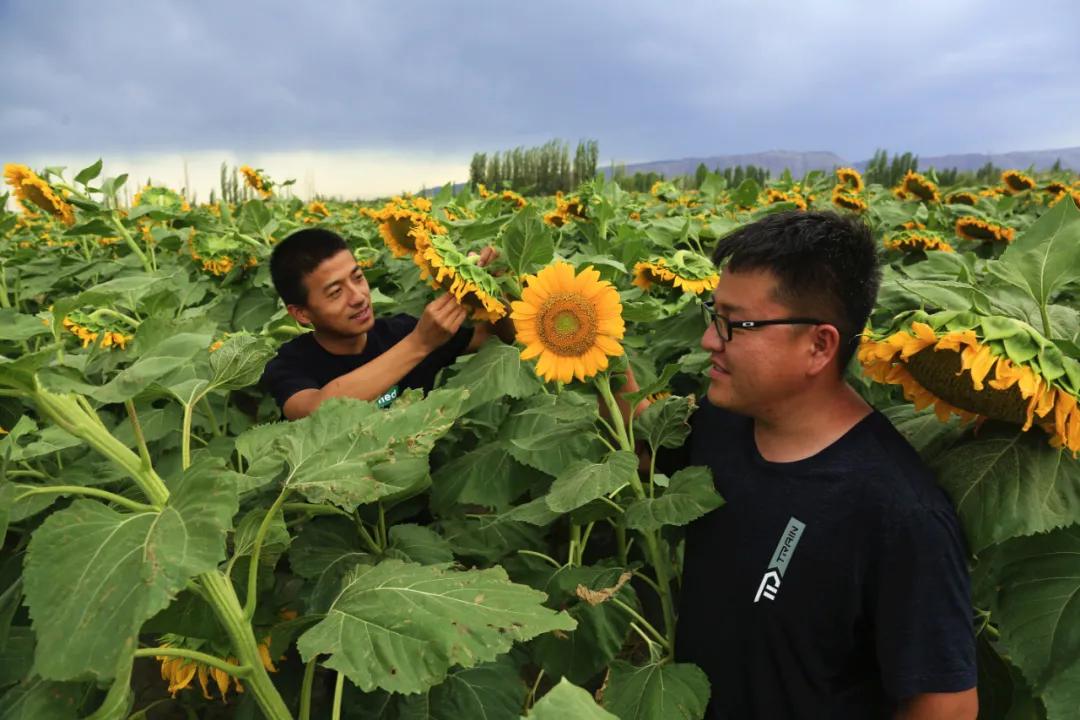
[(725, 326)]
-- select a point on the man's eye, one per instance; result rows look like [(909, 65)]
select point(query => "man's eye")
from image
[(335, 293)]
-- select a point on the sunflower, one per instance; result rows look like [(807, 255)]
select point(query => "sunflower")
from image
[(445, 267), (179, 672), (773, 196), (899, 194), (685, 270), (842, 198), (1056, 188), (1075, 195), (365, 256), (918, 185), (1017, 181), (565, 210), (972, 228), (961, 197), (256, 181), (850, 178), (399, 218), (948, 361), (482, 191), (161, 197), (512, 197), (29, 187), (908, 240), (571, 322), (316, 207), (993, 192)]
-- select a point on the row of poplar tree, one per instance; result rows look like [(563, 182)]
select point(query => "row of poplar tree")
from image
[(542, 170)]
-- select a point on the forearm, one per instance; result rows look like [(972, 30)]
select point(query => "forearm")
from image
[(374, 378), (940, 706)]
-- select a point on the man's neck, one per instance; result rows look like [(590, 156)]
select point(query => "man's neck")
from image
[(804, 425), (341, 344)]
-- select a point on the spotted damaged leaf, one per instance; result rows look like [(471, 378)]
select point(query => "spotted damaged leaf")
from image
[(401, 626)]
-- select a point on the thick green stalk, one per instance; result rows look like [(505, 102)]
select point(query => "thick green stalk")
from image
[(339, 687), (227, 608), (241, 671), (305, 690), (66, 412), (87, 491), (130, 241)]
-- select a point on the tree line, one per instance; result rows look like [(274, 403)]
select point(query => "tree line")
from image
[(541, 170)]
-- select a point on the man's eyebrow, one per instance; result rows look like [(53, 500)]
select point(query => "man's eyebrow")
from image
[(726, 307), (330, 285)]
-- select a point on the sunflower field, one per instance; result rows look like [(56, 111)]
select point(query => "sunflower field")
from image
[(505, 546)]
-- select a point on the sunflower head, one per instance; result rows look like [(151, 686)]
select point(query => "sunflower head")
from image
[(513, 198), (317, 207), (850, 178), (773, 196), (401, 219), (843, 199), (29, 187), (961, 365), (160, 197), (257, 181), (571, 322), (917, 239), (685, 271), (447, 268), (972, 228), (917, 185), (962, 197), (1016, 181)]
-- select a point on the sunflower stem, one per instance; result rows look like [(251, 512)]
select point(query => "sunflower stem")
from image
[(640, 621), (575, 541), (256, 552), (114, 220), (185, 437), (305, 690), (227, 608), (136, 426), (1047, 331), (339, 688), (240, 671), (89, 492)]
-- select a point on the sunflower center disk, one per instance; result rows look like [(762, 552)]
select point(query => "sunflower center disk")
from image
[(939, 371), (567, 324)]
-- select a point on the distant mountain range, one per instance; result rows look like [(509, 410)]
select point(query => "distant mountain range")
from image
[(801, 163)]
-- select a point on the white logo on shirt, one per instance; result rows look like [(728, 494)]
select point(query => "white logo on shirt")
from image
[(785, 549)]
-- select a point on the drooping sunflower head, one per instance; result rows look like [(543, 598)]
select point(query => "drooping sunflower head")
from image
[(445, 267), (972, 228), (1017, 181), (962, 197), (399, 220), (366, 257), (1074, 194), (257, 181), (92, 332), (899, 194), (29, 187), (513, 198), (571, 322), (773, 196), (566, 209), (1056, 188), (918, 185), (948, 361), (843, 199), (684, 270), (160, 197), (917, 239), (317, 207), (850, 178)]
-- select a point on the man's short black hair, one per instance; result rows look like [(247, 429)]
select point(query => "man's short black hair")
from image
[(298, 255), (826, 265)]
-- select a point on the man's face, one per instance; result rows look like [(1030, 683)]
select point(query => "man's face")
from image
[(339, 298), (761, 366)]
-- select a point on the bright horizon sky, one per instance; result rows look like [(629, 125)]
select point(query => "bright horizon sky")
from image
[(365, 99)]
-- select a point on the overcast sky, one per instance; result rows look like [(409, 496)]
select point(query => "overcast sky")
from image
[(365, 98)]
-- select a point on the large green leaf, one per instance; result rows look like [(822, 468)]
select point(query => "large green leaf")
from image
[(690, 494), (1038, 611), (581, 654), (669, 691), (666, 423), (495, 371), (1007, 483), (18, 327), (488, 476), (420, 544), (527, 242), (402, 626), (239, 362), (538, 435), (1046, 256), (349, 452), (94, 575), (565, 701), (492, 691), (585, 481), (39, 699)]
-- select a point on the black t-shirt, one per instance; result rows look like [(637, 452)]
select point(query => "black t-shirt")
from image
[(831, 587), (302, 363)]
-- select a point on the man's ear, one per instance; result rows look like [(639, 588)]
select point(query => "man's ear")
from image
[(299, 314), (824, 346)]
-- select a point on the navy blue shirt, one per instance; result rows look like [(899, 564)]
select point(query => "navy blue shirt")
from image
[(304, 364), (831, 587)]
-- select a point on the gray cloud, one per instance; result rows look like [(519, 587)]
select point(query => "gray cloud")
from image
[(649, 80)]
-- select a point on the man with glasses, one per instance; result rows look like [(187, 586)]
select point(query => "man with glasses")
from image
[(833, 583)]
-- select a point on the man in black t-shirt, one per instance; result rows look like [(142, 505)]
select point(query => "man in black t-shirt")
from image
[(350, 352), (833, 583)]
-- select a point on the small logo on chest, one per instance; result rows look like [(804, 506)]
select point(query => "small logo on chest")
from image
[(785, 549)]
